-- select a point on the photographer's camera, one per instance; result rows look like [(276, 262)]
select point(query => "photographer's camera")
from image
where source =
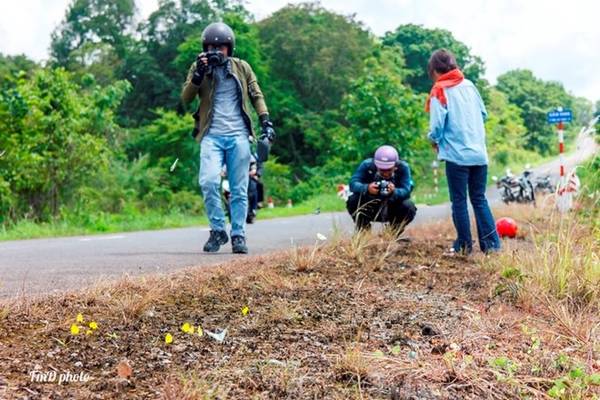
[(215, 57), (384, 187)]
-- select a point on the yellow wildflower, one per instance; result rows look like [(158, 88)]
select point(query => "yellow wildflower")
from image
[(93, 325), (245, 310), (200, 331), (74, 329), (79, 318), (88, 332), (168, 338), (187, 328)]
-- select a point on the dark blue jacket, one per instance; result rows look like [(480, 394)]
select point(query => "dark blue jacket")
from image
[(367, 173)]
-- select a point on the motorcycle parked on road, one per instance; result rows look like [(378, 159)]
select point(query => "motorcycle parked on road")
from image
[(516, 189), (543, 184)]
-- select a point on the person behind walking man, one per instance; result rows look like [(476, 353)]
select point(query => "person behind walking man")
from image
[(457, 134), (381, 188), (224, 84)]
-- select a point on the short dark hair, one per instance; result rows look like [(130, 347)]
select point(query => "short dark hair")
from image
[(441, 61)]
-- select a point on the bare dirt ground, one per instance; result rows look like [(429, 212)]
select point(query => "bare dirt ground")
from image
[(366, 318)]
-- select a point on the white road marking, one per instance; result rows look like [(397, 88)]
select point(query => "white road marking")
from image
[(102, 238)]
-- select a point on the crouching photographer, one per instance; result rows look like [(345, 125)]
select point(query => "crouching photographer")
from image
[(381, 188)]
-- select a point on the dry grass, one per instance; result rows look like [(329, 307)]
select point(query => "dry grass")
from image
[(353, 367), (354, 251), (303, 259), (368, 317), (190, 387), (560, 262), (131, 298)]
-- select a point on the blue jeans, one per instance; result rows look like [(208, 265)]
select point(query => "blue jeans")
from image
[(234, 152), (461, 177)]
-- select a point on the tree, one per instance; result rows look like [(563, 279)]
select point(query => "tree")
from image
[(13, 67), (318, 52), (88, 23), (504, 128), (583, 110), (164, 140), (313, 56), (379, 109), (55, 137), (535, 98), (418, 43)]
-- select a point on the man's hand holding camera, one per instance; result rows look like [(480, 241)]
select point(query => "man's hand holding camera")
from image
[(201, 69), (382, 188), (204, 62)]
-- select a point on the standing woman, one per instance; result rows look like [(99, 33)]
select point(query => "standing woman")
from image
[(457, 134)]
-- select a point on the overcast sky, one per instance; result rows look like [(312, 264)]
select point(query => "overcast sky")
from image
[(558, 40)]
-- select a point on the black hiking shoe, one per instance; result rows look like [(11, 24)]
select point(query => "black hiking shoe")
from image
[(216, 239), (250, 217), (238, 245)]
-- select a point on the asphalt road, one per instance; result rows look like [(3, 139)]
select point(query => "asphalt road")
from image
[(39, 266)]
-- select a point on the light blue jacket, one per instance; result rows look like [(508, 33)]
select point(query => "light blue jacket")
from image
[(458, 128)]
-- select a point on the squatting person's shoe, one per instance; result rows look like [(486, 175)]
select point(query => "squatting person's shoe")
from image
[(216, 239), (238, 245)]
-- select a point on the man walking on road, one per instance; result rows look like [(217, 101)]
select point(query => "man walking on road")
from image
[(224, 84)]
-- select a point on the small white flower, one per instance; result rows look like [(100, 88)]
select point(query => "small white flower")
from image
[(321, 237)]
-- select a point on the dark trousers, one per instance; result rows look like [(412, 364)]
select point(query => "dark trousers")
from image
[(474, 178), (365, 208), (260, 189), (252, 195)]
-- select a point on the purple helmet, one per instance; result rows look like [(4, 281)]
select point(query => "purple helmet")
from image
[(385, 157)]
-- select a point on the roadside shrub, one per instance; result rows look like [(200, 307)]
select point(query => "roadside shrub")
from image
[(186, 202), (6, 201), (277, 179), (158, 198)]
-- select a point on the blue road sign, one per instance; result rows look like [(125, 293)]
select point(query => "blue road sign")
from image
[(557, 116)]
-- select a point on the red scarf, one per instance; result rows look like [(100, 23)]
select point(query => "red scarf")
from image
[(447, 80)]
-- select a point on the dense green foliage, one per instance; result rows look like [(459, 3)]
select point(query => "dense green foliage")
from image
[(55, 135), (535, 98), (313, 56), (100, 130), (12, 67), (417, 44)]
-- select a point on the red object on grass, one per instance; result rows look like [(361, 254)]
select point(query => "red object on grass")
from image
[(506, 227)]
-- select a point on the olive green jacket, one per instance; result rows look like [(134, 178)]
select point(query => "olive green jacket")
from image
[(247, 85)]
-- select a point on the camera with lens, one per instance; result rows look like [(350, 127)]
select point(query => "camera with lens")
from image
[(215, 57), (384, 187)]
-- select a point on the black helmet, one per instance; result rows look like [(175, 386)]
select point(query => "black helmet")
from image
[(218, 34)]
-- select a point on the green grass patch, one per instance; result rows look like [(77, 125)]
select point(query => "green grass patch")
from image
[(98, 224), (137, 221), (328, 202)]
